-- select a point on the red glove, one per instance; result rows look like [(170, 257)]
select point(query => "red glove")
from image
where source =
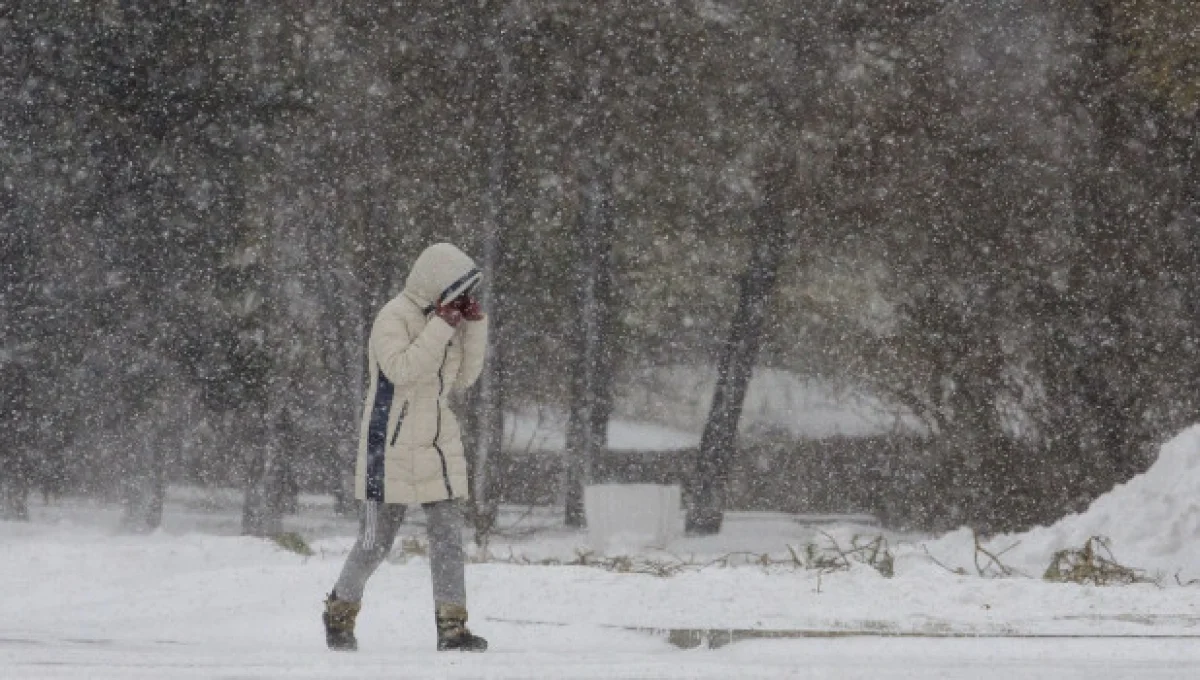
[(450, 313), (470, 308)]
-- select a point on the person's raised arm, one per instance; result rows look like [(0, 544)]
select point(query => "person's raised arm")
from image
[(407, 360), (474, 348)]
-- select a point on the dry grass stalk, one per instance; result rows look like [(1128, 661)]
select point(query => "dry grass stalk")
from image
[(872, 551), (1093, 564), (993, 567)]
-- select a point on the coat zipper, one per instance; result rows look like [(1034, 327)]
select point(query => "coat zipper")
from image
[(438, 431), (399, 423)]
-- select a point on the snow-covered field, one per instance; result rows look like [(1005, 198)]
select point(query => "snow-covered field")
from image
[(194, 601), (82, 603)]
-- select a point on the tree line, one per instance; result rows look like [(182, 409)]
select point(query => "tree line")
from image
[(984, 212)]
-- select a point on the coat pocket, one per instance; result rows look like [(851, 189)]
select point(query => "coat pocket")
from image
[(399, 423)]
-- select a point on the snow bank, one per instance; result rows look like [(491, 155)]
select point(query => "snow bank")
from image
[(1153, 522)]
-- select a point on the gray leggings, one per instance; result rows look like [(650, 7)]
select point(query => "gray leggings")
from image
[(377, 529)]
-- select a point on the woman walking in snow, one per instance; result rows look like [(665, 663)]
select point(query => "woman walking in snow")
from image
[(425, 343)]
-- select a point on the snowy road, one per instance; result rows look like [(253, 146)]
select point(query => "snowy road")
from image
[(619, 657)]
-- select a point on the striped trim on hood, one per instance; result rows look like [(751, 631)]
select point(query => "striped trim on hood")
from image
[(441, 273)]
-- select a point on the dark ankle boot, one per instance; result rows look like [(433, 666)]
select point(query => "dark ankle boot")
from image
[(339, 620), (452, 630)]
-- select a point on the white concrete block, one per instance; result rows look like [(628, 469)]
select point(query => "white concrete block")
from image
[(622, 518)]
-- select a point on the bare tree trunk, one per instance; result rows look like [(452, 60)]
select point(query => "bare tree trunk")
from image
[(143, 475), (145, 485), (345, 314), (736, 365), (487, 401), (268, 469), (15, 464), (268, 490), (604, 292), (14, 486), (1107, 231), (355, 348), (577, 456), (16, 424), (591, 368)]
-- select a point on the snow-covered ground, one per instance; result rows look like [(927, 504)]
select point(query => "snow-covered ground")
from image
[(194, 600), (80, 602)]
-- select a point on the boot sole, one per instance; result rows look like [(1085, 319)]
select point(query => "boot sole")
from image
[(448, 648)]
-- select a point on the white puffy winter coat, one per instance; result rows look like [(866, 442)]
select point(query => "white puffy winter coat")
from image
[(410, 445)]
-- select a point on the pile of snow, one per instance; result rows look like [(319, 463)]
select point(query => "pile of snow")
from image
[(1153, 522)]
